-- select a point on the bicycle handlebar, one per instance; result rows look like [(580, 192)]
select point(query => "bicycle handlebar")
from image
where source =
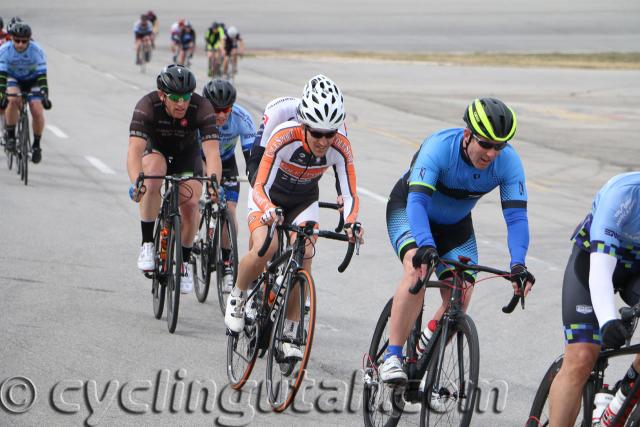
[(308, 230), (463, 265), (337, 207)]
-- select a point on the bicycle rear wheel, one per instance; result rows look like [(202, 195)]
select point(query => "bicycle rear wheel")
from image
[(174, 271), (9, 158), (226, 229), (539, 414), (242, 348), (382, 405), (452, 382), (202, 257), (285, 376)]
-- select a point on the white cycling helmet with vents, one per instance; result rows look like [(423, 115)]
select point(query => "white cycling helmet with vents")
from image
[(322, 104)]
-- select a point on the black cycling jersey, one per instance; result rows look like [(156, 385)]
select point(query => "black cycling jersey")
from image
[(172, 136)]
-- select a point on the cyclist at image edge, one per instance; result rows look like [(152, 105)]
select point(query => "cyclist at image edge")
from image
[(214, 40), (143, 31), (234, 122), (23, 68), (233, 46), (4, 36), (163, 140), (297, 155), (603, 261), (429, 212)]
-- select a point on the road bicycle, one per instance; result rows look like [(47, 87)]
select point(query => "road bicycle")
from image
[(216, 230), (539, 414), (283, 280), (443, 379), (165, 278), (143, 53)]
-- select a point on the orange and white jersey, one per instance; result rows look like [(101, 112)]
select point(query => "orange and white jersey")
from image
[(289, 172)]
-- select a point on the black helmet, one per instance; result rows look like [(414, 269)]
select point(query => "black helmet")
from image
[(20, 29), (176, 79), (12, 22), (220, 93), (215, 25), (491, 118)]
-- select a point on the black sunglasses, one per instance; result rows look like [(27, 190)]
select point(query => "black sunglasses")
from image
[(322, 134), (20, 41), (489, 145)]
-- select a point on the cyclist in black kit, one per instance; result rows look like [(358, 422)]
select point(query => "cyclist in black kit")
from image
[(163, 141)]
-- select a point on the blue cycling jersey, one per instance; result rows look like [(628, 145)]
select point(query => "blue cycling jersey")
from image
[(23, 66), (613, 225), (143, 30), (239, 125), (444, 187)]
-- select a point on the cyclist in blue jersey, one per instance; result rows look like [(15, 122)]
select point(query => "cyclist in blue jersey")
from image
[(143, 32), (23, 68), (186, 44), (429, 211), (604, 260), (234, 122)]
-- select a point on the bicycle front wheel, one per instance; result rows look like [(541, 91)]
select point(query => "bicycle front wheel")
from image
[(227, 234), (242, 348), (284, 375), (25, 142), (158, 284), (174, 272), (382, 405), (452, 381), (539, 414)]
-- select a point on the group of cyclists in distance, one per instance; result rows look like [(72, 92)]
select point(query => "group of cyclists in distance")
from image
[(176, 131), (223, 45)]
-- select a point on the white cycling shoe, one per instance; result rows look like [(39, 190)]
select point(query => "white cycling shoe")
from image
[(234, 313), (391, 371), (147, 257), (186, 279)]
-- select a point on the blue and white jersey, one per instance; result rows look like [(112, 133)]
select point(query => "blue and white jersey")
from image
[(613, 225), (443, 187), (138, 28), (239, 125), (25, 65)]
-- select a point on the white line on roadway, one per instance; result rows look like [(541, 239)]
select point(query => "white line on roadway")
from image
[(57, 131), (98, 164), (372, 194)]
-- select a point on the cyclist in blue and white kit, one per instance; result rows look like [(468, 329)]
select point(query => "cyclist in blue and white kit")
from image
[(429, 211), (143, 32), (234, 122), (23, 68), (604, 260)]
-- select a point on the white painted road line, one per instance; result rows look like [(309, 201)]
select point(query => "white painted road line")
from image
[(98, 164), (57, 131), (372, 194)]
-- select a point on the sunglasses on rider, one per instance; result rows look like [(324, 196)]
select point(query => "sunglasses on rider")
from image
[(176, 98), (223, 110), (322, 134), (489, 145), (20, 41)]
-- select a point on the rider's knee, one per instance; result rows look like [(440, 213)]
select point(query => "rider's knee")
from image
[(579, 360)]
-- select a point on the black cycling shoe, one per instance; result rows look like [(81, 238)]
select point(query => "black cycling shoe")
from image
[(36, 154), (10, 144)]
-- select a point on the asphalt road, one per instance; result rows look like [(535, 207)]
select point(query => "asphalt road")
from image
[(76, 314)]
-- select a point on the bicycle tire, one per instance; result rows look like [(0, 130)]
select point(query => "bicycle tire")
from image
[(174, 271), (9, 158), (251, 334), (226, 224), (202, 260), (158, 287), (539, 413), (26, 148), (296, 370), (461, 335), (374, 395)]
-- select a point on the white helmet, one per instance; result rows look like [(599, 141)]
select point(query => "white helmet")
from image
[(232, 32), (322, 105)]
